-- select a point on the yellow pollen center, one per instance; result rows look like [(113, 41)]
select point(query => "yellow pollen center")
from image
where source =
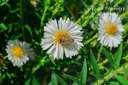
[(59, 34), (111, 28), (18, 51)]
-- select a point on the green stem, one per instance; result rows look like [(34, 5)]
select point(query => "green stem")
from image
[(91, 39), (111, 74), (99, 53), (102, 63), (22, 19), (43, 18), (87, 11)]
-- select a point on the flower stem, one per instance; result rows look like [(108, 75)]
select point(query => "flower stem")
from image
[(99, 53), (86, 12), (111, 74), (22, 19), (43, 17), (91, 39)]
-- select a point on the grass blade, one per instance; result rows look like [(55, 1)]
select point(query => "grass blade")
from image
[(118, 55), (122, 80), (53, 80), (61, 81), (74, 79), (109, 57), (83, 74), (94, 63)]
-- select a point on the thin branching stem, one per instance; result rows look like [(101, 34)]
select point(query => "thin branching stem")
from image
[(112, 74), (22, 19)]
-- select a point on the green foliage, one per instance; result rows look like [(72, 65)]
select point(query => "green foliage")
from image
[(53, 80), (74, 79), (109, 57), (60, 80), (31, 81), (114, 83), (122, 80), (94, 65), (2, 26), (83, 74), (3, 2), (118, 55)]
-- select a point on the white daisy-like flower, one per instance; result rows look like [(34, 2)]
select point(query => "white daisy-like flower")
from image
[(62, 37), (110, 30), (19, 52)]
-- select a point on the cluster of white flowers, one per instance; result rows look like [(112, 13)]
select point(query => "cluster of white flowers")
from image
[(64, 37)]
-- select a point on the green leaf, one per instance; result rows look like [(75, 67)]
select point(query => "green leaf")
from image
[(27, 82), (74, 83), (3, 2), (114, 83), (61, 81), (122, 80), (3, 26), (45, 3), (41, 62), (83, 74), (32, 81), (109, 57), (74, 79), (29, 29), (53, 80), (38, 15), (52, 60), (94, 63), (117, 57), (126, 71)]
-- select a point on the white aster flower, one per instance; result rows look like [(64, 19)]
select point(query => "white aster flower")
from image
[(19, 52), (110, 30), (62, 37)]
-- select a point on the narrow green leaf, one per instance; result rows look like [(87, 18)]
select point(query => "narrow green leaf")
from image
[(34, 81), (109, 57), (3, 2), (83, 74), (74, 83), (114, 83), (3, 26), (42, 61), (29, 29), (52, 60), (36, 67), (28, 81), (94, 63), (54, 80), (74, 79), (45, 4), (38, 15), (122, 80), (118, 55), (61, 81)]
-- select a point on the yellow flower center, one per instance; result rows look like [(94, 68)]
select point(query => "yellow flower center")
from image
[(18, 51), (60, 34), (111, 28)]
